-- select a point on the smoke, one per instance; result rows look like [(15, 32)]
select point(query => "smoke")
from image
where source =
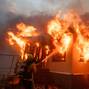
[(46, 6), (31, 7), (5, 8)]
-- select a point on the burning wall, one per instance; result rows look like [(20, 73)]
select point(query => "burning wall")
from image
[(66, 31)]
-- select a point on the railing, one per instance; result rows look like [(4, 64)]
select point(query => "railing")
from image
[(7, 64)]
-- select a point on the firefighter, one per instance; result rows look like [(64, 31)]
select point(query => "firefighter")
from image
[(27, 74)]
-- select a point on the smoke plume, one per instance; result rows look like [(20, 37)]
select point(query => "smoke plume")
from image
[(30, 7)]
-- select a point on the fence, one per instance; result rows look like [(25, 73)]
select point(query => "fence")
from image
[(7, 64)]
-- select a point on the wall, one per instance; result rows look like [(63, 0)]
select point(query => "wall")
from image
[(79, 67)]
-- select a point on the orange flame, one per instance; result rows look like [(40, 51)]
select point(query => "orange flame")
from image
[(82, 43), (20, 42), (83, 47), (65, 42), (59, 29), (61, 39), (27, 31), (64, 30), (55, 28), (24, 31)]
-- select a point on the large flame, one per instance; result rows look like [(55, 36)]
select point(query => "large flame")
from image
[(26, 46), (17, 39), (61, 39), (20, 42), (65, 42), (64, 30), (55, 28), (82, 45), (27, 31)]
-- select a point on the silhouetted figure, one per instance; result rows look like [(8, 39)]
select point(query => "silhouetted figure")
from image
[(26, 74)]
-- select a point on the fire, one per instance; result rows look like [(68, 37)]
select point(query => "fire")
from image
[(63, 44), (23, 31), (82, 42), (25, 46), (27, 31), (65, 41), (64, 30), (61, 39), (83, 47), (59, 29), (20, 42), (55, 28)]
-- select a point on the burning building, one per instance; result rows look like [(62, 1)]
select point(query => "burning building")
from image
[(68, 60), (70, 36)]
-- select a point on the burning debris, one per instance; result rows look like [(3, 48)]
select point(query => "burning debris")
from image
[(64, 30)]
